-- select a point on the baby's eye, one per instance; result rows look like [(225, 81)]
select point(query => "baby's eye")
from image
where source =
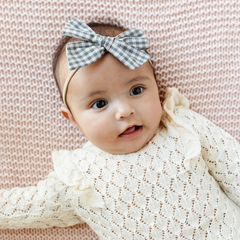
[(99, 104), (136, 91)]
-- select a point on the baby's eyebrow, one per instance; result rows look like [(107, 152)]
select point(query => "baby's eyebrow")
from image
[(137, 79), (92, 94)]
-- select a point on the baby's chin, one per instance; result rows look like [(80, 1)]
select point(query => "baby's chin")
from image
[(126, 149), (122, 151)]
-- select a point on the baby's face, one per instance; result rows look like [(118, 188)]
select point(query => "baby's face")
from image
[(116, 108)]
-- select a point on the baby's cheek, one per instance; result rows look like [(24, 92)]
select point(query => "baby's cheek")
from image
[(153, 106), (99, 128), (154, 113)]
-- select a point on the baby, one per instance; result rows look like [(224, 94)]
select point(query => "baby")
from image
[(147, 172)]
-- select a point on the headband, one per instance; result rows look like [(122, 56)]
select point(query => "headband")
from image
[(126, 47)]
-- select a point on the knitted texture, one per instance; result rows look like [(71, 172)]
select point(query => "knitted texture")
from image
[(194, 45), (183, 184), (38, 206)]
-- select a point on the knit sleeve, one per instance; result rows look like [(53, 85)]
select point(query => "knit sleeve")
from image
[(46, 205), (220, 151)]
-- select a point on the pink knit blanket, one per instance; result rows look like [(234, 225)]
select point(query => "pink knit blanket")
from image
[(194, 46)]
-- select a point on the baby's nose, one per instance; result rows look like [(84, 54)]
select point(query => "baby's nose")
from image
[(124, 110)]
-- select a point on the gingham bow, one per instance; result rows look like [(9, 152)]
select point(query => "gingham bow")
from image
[(126, 46)]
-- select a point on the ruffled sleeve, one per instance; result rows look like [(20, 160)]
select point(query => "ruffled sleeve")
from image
[(220, 151), (173, 105)]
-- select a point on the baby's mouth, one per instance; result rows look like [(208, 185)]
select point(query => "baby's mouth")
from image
[(131, 132)]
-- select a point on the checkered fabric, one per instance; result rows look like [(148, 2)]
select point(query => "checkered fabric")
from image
[(126, 47)]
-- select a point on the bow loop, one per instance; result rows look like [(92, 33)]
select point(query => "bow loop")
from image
[(126, 46), (78, 29)]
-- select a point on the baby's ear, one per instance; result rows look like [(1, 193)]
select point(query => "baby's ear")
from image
[(68, 115)]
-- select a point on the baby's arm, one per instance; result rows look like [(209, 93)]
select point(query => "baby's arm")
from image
[(46, 205), (220, 151)]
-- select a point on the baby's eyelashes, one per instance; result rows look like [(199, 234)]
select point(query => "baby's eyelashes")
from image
[(137, 90), (99, 104)]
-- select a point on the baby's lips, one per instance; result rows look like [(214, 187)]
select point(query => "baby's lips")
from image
[(129, 130)]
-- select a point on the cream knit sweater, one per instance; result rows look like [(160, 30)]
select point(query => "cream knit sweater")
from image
[(184, 184)]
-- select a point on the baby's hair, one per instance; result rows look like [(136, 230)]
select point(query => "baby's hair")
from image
[(107, 30)]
